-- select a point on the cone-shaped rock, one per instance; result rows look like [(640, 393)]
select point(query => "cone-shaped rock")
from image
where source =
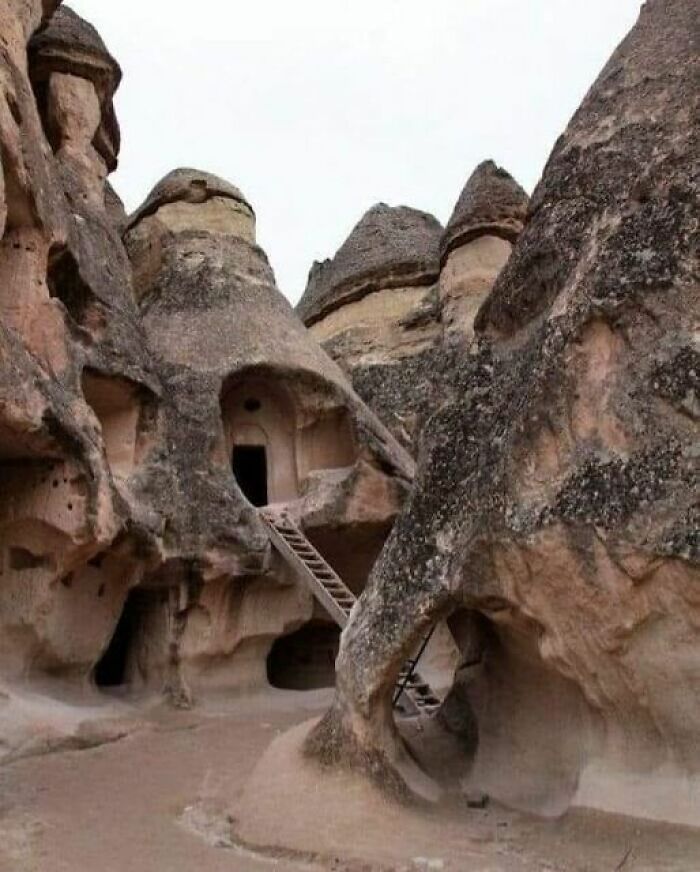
[(372, 306), (476, 245), (256, 413), (491, 203), (554, 513)]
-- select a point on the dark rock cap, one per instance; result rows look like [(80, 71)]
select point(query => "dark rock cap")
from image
[(188, 185), (492, 202), (69, 44), (391, 246)]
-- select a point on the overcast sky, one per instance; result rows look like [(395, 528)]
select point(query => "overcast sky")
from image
[(317, 109)]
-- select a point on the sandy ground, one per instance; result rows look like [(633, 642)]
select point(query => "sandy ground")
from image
[(193, 791)]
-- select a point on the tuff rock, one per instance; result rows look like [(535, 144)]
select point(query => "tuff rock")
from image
[(554, 520), (132, 370)]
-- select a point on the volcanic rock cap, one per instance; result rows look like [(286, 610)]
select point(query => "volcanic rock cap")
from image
[(391, 246), (71, 45), (491, 203)]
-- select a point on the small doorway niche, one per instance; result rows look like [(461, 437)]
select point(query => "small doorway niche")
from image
[(305, 660), (111, 670), (249, 463)]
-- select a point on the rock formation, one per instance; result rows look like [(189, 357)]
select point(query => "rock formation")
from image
[(156, 389), (131, 385), (241, 377), (554, 516), (374, 309), (68, 323), (476, 244), (400, 292)]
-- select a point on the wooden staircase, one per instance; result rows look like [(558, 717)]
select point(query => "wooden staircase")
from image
[(337, 599)]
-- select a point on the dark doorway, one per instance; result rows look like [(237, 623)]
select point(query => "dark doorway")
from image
[(111, 669), (249, 464), (306, 659)]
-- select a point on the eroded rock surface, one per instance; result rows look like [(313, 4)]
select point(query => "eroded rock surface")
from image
[(131, 553), (243, 378), (554, 517), (401, 292)]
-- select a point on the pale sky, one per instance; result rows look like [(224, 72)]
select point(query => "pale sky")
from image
[(317, 109)]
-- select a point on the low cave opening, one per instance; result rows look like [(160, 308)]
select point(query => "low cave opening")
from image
[(112, 668), (305, 660), (249, 464)]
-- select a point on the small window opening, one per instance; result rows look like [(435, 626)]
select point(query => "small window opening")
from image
[(249, 463), (65, 283), (251, 405)]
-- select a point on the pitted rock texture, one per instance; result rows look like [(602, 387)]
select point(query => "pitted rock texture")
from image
[(554, 515), (131, 375), (392, 327)]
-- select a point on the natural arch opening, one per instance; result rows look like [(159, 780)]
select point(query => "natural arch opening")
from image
[(249, 464), (305, 660), (112, 670)]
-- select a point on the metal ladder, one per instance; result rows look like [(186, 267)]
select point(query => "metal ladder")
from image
[(334, 595)]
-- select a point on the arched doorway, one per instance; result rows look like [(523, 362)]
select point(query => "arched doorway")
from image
[(260, 423)]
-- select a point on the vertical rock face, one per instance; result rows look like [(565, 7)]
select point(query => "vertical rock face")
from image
[(554, 516), (401, 292)]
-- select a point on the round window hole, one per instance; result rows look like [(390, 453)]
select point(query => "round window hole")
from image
[(251, 405)]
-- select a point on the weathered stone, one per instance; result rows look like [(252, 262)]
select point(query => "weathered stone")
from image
[(556, 493), (69, 45), (389, 318), (390, 247), (476, 245), (128, 551), (492, 203), (373, 308)]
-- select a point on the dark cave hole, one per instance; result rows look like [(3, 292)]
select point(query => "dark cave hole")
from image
[(111, 669), (66, 284), (304, 660), (249, 464)]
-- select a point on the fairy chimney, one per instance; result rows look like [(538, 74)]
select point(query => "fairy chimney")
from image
[(477, 242)]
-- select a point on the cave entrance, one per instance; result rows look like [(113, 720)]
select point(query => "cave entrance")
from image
[(305, 660), (249, 463), (111, 670)]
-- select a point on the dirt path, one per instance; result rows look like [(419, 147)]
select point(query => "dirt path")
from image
[(156, 800)]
